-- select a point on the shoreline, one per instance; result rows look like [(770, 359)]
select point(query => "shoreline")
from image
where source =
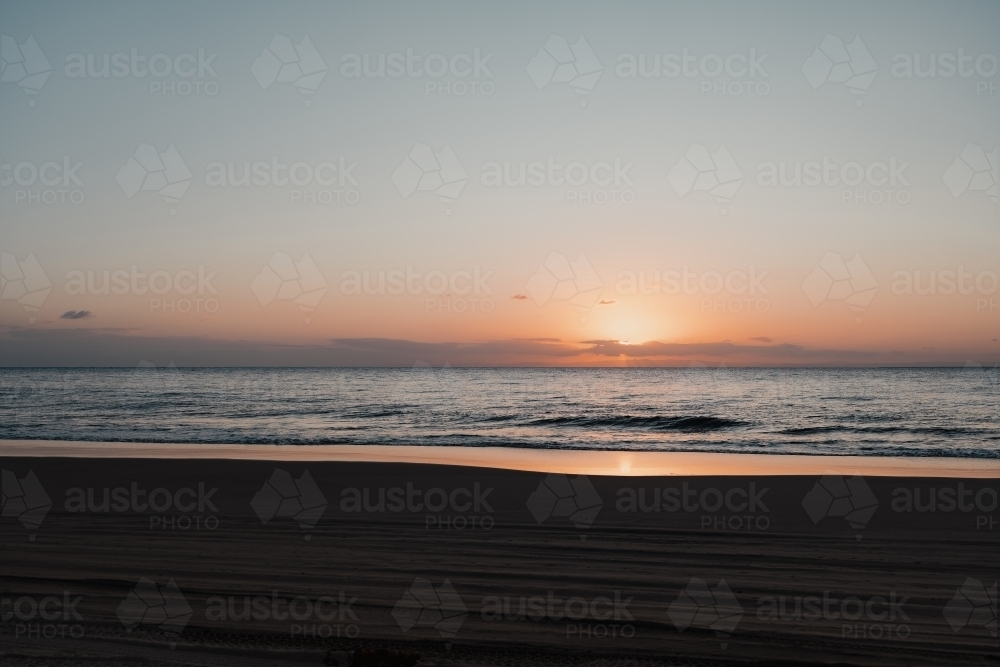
[(565, 461)]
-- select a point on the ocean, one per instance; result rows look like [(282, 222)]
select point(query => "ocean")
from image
[(875, 412)]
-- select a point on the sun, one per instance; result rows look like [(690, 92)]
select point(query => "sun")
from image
[(634, 324)]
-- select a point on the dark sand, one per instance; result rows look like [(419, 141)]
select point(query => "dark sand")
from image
[(650, 561)]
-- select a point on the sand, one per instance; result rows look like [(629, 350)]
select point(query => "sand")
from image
[(576, 462), (625, 569)]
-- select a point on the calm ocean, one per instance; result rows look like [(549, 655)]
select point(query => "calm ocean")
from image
[(885, 412)]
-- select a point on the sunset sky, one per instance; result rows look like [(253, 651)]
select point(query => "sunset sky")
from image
[(686, 238)]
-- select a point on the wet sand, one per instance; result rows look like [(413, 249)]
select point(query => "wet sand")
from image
[(576, 462), (293, 559)]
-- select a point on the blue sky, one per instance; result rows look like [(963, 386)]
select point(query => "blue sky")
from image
[(513, 110)]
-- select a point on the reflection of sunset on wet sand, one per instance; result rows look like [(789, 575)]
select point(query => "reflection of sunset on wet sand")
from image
[(569, 462)]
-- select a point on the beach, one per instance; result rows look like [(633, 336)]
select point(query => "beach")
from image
[(272, 559), (521, 334)]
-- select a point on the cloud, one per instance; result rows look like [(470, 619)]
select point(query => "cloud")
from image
[(783, 354), (88, 347), (606, 302), (760, 339), (521, 297), (76, 315), (510, 352), (720, 349)]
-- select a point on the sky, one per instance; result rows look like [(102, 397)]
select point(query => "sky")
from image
[(445, 183)]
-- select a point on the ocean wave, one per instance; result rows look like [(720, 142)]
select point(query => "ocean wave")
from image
[(654, 423), (905, 413), (831, 447), (922, 430)]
